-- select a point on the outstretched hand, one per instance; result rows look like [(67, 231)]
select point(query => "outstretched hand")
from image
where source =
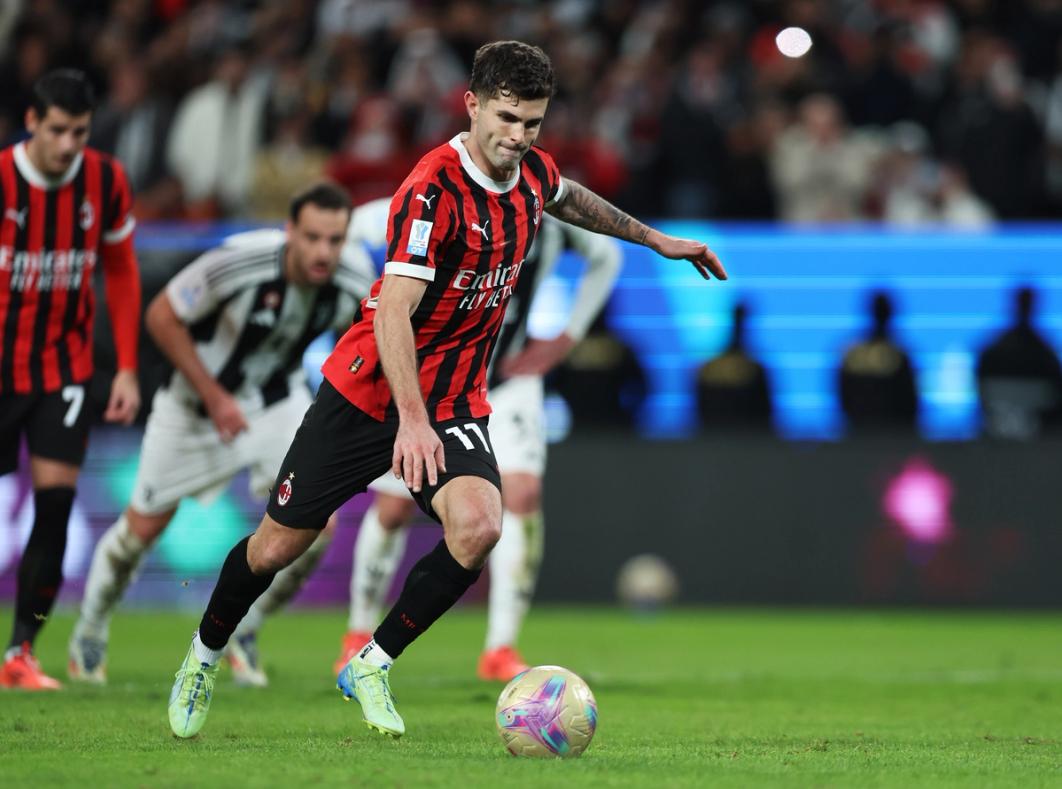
[(696, 252)]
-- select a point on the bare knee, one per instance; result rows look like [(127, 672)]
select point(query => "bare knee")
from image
[(394, 512), (147, 528), (474, 536), (273, 547), (522, 493)]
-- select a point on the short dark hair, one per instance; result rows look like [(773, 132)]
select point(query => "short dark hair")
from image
[(323, 194), (512, 69), (66, 88)]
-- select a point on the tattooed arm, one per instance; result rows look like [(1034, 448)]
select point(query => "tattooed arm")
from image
[(579, 206)]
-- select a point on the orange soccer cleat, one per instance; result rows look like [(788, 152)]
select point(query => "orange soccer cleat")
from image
[(22, 671), (500, 664), (353, 641)]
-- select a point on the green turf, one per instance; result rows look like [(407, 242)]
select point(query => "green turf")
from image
[(693, 698)]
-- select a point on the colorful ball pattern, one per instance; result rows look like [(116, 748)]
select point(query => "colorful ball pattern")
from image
[(546, 711)]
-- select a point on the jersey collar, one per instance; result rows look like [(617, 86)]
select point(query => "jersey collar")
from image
[(39, 179), (477, 175)]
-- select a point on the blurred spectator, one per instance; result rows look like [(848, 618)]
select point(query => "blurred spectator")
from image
[(877, 91), (31, 58), (133, 124), (877, 385), (215, 138), (283, 166), (990, 130), (1020, 379), (916, 190), (692, 147), (602, 382), (821, 168), (733, 390), (665, 106)]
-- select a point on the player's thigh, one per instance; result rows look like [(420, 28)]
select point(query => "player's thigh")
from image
[(337, 451), (14, 410), (469, 452), (517, 425), (57, 427), (181, 456)]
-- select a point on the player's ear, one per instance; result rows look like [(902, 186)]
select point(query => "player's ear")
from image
[(471, 104), (289, 229), (32, 119)]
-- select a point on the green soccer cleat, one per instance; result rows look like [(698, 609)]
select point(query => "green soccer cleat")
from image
[(191, 695), (368, 685)]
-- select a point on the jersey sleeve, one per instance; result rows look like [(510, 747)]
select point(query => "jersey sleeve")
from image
[(554, 184), (197, 289), (419, 228), (118, 221), (603, 262)]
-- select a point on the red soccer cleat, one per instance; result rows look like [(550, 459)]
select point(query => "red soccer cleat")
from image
[(22, 671), (353, 641), (500, 664)]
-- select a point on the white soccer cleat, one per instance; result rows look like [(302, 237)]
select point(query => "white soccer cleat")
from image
[(88, 660), (242, 654)]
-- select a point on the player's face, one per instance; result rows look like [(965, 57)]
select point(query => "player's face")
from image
[(57, 139), (504, 129), (315, 240)]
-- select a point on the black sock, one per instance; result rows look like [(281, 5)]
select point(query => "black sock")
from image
[(40, 573), (235, 593), (434, 584)]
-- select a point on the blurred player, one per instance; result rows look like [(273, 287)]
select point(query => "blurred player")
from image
[(406, 387), (518, 435), (235, 323), (66, 207)]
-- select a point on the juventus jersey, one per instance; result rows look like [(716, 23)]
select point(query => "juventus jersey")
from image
[(467, 236), (251, 326)]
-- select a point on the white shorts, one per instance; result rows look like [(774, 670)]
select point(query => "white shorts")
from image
[(517, 432), (183, 455)]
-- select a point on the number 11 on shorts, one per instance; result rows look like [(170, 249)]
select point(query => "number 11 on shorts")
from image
[(465, 440)]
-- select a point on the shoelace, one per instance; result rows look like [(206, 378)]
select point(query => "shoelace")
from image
[(377, 686), (206, 688)]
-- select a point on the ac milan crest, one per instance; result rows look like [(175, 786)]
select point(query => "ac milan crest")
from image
[(87, 215), (284, 493)]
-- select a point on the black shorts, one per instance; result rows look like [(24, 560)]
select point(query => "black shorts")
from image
[(56, 425), (339, 449)]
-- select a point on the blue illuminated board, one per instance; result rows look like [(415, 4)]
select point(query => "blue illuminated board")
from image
[(808, 291)]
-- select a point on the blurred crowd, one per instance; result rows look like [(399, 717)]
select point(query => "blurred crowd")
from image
[(905, 111)]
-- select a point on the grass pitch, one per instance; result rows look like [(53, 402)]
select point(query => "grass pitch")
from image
[(691, 698)]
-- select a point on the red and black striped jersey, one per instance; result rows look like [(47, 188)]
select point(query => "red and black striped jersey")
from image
[(52, 234), (468, 236)]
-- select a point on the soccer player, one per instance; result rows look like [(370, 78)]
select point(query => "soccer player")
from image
[(517, 433), (235, 323), (66, 208), (405, 387)]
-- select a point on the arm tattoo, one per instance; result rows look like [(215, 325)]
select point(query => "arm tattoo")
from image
[(583, 208)]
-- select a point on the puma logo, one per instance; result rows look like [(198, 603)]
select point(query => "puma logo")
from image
[(426, 200), (18, 217), (482, 230)]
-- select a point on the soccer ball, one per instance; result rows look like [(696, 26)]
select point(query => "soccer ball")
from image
[(546, 711), (646, 582)]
